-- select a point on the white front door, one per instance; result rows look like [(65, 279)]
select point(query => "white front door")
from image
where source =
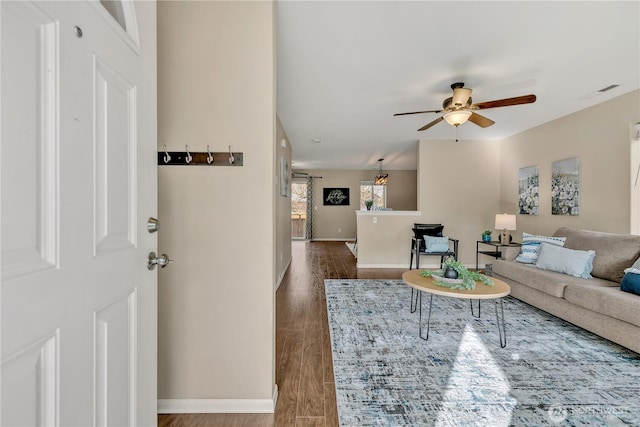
[(78, 183)]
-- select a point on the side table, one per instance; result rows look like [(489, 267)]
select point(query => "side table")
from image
[(495, 252)]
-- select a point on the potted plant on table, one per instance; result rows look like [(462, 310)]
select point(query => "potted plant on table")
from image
[(465, 279), (486, 235), (368, 204)]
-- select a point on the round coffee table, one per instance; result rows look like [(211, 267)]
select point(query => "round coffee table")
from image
[(427, 284)]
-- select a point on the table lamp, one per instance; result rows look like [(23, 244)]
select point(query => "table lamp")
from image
[(505, 223)]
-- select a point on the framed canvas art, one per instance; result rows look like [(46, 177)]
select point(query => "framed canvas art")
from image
[(284, 177), (335, 196), (528, 191), (565, 191)]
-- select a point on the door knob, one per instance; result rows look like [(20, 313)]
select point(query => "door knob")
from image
[(153, 260)]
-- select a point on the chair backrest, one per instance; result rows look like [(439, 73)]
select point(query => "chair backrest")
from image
[(421, 230)]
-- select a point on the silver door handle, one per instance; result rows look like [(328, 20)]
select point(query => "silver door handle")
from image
[(153, 260)]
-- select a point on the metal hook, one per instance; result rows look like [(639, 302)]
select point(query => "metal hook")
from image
[(167, 157), (231, 158), (210, 156), (188, 158)]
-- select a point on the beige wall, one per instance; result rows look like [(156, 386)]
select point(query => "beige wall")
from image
[(339, 222), (601, 138), (283, 207), (460, 188), (216, 301)]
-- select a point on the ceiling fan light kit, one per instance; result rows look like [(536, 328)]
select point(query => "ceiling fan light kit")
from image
[(456, 118)]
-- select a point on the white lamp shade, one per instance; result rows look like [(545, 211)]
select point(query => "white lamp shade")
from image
[(456, 118), (505, 222)]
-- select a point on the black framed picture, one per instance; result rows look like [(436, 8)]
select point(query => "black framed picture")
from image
[(335, 196)]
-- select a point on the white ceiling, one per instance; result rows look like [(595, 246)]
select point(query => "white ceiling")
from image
[(344, 68)]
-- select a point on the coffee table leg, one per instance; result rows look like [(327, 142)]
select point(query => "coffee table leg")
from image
[(413, 305), (472, 313), (502, 330), (428, 316)]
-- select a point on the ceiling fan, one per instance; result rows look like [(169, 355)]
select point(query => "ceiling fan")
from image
[(459, 108)]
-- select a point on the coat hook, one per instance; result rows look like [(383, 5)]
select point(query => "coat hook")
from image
[(167, 157), (188, 158), (210, 156), (231, 158)]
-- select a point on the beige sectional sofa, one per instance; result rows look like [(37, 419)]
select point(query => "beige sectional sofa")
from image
[(596, 304)]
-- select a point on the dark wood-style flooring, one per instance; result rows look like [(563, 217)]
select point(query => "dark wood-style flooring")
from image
[(304, 370)]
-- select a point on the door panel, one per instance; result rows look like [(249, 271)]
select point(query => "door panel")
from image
[(115, 159), (29, 222), (115, 350), (30, 384)]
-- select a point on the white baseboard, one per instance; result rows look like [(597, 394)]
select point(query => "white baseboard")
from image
[(219, 406), (405, 266), (345, 239), (284, 272)]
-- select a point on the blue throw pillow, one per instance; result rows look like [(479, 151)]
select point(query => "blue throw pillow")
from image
[(631, 283), (564, 260)]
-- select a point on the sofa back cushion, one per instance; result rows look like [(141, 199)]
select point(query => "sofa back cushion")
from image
[(614, 252)]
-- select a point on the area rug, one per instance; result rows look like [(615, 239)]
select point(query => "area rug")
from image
[(550, 372)]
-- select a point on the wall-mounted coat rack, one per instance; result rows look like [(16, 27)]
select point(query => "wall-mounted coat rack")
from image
[(208, 158)]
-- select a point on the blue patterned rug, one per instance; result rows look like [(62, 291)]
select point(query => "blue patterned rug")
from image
[(550, 372)]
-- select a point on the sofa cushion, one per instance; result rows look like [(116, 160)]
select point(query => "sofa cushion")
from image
[(614, 252), (573, 262), (610, 301), (549, 282), (531, 246)]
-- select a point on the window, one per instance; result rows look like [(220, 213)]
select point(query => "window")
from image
[(298, 210), (377, 193)]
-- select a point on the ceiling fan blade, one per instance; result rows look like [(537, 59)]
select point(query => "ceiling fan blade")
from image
[(526, 99), (433, 123), (461, 96), (418, 112), (481, 121)]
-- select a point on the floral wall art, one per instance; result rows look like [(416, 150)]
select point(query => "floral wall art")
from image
[(528, 191), (565, 192)]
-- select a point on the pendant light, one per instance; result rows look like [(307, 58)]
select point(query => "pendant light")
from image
[(381, 179)]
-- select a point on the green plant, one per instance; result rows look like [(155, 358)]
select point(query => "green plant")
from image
[(368, 203), (487, 233), (468, 278)]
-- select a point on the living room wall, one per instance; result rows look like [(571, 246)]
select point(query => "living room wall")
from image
[(216, 320), (600, 137), (339, 222)]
